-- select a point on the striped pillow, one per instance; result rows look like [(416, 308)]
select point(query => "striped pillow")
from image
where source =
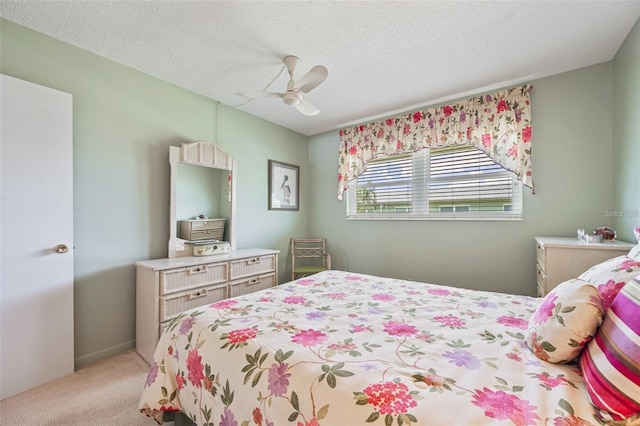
[(611, 361)]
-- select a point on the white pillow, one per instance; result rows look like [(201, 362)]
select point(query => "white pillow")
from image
[(611, 275), (634, 253)]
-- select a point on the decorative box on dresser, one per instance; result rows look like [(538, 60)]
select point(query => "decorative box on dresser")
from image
[(167, 287), (560, 259)]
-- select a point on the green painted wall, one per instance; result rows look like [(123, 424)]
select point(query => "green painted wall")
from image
[(124, 123), (585, 145), (626, 136), (572, 166)]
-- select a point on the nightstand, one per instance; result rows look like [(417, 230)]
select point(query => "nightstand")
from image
[(560, 259)]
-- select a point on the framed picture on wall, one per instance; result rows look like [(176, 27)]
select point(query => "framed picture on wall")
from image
[(284, 186)]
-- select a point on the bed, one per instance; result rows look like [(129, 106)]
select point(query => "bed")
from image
[(341, 348)]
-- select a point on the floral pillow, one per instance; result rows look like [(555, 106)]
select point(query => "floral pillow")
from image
[(611, 275), (610, 363), (565, 321)]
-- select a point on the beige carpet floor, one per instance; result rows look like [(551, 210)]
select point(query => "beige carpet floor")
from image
[(104, 393)]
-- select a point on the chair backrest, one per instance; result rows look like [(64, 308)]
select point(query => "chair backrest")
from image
[(308, 247), (308, 256)]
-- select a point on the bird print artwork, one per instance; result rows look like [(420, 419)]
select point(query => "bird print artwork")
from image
[(284, 186), (286, 190)]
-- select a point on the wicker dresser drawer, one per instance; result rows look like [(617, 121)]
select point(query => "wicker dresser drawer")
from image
[(249, 285), (541, 255), (172, 305), (541, 281), (252, 266), (173, 280)]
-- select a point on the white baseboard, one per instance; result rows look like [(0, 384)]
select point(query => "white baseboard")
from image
[(104, 353)]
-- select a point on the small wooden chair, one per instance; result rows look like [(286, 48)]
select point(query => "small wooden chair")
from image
[(308, 256)]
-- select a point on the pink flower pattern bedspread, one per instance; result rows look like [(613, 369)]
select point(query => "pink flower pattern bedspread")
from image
[(341, 348)]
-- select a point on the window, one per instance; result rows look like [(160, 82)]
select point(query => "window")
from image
[(444, 183)]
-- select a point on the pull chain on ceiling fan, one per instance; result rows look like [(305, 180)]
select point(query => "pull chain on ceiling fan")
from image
[(293, 95)]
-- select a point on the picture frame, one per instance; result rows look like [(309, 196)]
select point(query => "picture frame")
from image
[(284, 186)]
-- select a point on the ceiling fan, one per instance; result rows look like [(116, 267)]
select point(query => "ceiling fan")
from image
[(293, 95)]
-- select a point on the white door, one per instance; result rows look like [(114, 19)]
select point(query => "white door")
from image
[(36, 215)]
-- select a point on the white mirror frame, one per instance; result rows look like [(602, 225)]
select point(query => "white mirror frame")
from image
[(205, 154)]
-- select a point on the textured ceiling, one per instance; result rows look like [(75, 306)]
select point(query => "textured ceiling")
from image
[(383, 56)]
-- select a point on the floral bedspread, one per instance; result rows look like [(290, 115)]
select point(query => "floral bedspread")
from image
[(339, 348)]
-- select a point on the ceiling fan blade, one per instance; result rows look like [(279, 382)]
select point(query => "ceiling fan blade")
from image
[(257, 95), (307, 108), (312, 79)]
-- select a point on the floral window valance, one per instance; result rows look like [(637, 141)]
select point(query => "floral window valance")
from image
[(499, 124)]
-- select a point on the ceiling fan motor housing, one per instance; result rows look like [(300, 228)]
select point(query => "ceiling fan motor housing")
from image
[(292, 98)]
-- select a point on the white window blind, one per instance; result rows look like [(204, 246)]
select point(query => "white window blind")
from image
[(448, 183)]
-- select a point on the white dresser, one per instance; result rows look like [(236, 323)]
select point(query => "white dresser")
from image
[(560, 259), (167, 287)]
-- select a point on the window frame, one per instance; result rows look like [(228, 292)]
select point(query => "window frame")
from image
[(421, 165)]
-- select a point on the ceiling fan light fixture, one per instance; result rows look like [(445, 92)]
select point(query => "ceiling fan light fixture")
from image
[(292, 98)]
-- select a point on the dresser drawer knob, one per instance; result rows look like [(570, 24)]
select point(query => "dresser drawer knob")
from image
[(198, 270), (254, 281), (199, 293), (253, 261)]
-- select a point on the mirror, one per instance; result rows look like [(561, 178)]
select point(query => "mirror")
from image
[(202, 183)]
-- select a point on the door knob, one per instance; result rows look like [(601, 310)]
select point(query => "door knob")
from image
[(61, 248)]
